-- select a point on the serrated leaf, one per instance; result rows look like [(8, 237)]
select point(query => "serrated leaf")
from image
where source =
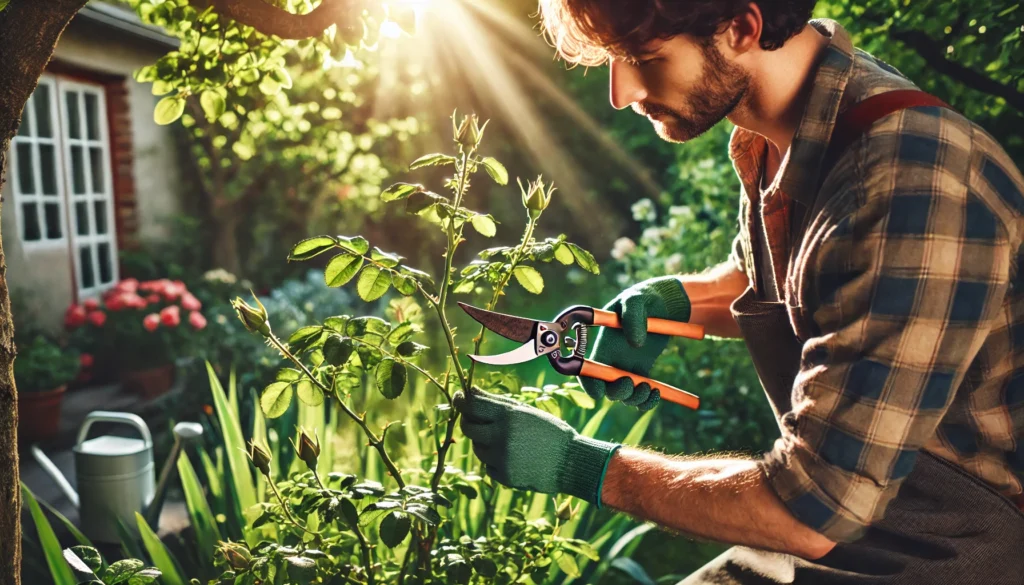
[(485, 566), (426, 281), (301, 569), (121, 571), (311, 247), (168, 110), (309, 392), (400, 191), (410, 348), (484, 224), (350, 513), (404, 284), (301, 340), (373, 283), (394, 528), (429, 160), (384, 258), (529, 278), (391, 378), (338, 349), (495, 169), (584, 259), (428, 515), (145, 576), (354, 244), (420, 200), (342, 268), (563, 254), (402, 332), (287, 375), (78, 564), (276, 398), (213, 104)]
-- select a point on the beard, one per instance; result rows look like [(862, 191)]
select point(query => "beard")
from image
[(721, 88)]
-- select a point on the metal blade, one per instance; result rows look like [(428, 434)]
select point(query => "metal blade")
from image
[(507, 326), (523, 353)]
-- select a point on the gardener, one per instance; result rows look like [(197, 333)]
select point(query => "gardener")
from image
[(875, 281)]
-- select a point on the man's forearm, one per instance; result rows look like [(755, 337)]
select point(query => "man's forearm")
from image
[(727, 500), (711, 295)]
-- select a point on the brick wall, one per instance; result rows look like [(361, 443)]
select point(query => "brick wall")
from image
[(122, 160)]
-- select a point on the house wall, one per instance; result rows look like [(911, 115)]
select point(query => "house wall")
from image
[(40, 278)]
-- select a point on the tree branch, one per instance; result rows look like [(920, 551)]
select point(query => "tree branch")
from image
[(271, 20)]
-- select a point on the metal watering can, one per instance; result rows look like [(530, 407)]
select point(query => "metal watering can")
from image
[(116, 476)]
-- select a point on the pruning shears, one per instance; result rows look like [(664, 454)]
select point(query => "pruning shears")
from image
[(568, 355)]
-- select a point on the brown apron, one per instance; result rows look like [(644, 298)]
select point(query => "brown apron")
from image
[(945, 526)]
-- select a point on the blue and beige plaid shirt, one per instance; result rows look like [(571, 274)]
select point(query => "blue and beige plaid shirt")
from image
[(910, 277)]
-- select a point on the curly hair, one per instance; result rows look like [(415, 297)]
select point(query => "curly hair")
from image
[(587, 32)]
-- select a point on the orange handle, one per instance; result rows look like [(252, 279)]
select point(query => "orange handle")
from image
[(663, 326), (607, 373)]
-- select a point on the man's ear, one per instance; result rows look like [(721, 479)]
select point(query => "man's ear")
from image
[(744, 32)]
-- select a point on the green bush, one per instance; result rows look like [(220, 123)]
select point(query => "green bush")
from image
[(43, 365)]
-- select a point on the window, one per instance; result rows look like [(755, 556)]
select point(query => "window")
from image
[(62, 184)]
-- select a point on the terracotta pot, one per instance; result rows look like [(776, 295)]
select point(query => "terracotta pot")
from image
[(39, 414), (148, 383)]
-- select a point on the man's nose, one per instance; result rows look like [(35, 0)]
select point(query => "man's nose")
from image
[(625, 85)]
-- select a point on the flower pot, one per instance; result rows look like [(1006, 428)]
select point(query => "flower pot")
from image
[(150, 382), (39, 415)]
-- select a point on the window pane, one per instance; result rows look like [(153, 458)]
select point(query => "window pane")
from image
[(96, 160), (100, 207), (23, 127), (92, 116), (26, 180), (82, 218), (106, 274), (87, 278), (53, 230), (77, 170), (41, 99), (48, 162), (31, 217), (74, 119)]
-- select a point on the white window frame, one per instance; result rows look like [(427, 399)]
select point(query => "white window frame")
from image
[(20, 199), (93, 239)]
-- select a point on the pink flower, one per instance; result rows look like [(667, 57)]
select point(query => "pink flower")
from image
[(153, 298), (134, 301), (196, 320), (86, 360), (91, 304), (97, 318), (128, 285), (74, 317), (151, 322), (190, 303), (173, 290), (170, 316)]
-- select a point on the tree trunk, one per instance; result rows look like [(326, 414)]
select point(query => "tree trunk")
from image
[(225, 241), (29, 30)]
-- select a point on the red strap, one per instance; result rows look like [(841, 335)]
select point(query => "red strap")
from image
[(856, 121)]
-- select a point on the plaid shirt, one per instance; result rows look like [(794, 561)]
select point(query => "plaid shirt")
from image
[(908, 280)]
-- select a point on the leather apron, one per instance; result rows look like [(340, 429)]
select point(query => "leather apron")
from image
[(945, 526)]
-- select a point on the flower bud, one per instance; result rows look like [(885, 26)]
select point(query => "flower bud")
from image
[(468, 132), (254, 318), (309, 449), (235, 555), (536, 197), (564, 511), (260, 458)]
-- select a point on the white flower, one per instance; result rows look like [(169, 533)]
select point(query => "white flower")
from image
[(220, 275), (643, 210), (622, 248), (674, 263)]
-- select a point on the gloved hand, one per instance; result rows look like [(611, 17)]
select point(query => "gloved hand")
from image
[(526, 448), (631, 348)]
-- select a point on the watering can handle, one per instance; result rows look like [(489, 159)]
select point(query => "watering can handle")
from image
[(114, 417)]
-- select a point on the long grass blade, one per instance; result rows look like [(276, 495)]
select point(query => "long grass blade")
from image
[(79, 537), (234, 443), (52, 550), (159, 554), (203, 521)]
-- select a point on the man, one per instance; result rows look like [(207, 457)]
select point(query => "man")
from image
[(876, 283)]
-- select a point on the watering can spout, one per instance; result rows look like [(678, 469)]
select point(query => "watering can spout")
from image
[(184, 433)]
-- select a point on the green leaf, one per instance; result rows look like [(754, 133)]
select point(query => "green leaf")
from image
[(421, 200), (350, 513), (426, 281), (529, 278), (360, 326), (567, 563), (484, 224), (168, 110), (86, 559), (287, 375), (301, 569), (373, 283), (402, 332), (394, 528), (120, 571), (356, 244), (428, 515), (384, 258), (305, 337), (204, 523), (269, 86), (213, 104), (400, 191), (3, 4), (429, 160), (311, 247), (404, 284), (59, 569), (309, 392), (410, 348), (485, 566), (338, 349), (158, 552), (276, 398), (584, 259), (563, 254), (282, 77), (234, 444), (391, 377), (145, 576), (495, 169), (341, 269)]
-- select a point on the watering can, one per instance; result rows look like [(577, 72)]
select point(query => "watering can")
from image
[(116, 476)]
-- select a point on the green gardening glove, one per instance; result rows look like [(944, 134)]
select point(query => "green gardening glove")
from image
[(631, 348), (528, 449)]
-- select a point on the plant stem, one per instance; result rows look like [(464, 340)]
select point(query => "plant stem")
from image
[(365, 548), (375, 442), (403, 361), (287, 511)]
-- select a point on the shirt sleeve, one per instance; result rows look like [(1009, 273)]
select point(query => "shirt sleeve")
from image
[(902, 287)]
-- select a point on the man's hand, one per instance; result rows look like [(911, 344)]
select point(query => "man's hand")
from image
[(631, 348), (526, 448)]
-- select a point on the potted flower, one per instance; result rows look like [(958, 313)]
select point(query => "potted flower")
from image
[(141, 329), (42, 371)]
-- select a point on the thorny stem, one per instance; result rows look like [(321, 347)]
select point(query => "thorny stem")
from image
[(287, 511), (365, 548), (375, 442), (449, 257)]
